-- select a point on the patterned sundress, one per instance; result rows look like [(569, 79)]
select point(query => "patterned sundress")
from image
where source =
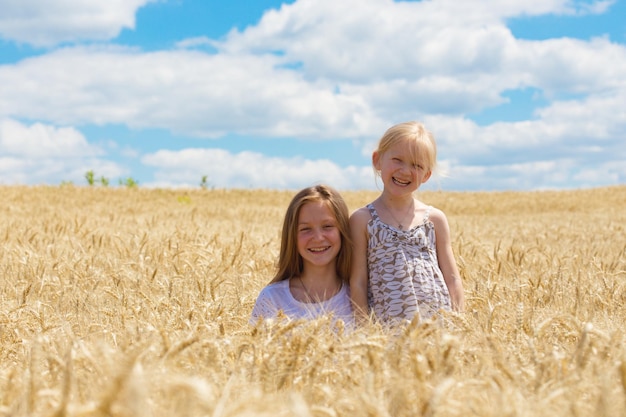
[(404, 276)]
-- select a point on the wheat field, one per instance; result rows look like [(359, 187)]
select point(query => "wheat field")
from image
[(135, 302)]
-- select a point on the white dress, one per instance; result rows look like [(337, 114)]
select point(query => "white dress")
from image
[(277, 296)]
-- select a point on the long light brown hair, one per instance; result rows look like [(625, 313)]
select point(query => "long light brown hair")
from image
[(290, 262)]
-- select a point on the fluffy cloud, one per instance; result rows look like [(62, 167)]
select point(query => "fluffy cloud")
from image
[(39, 141), (40, 153), (250, 169), (47, 23), (188, 92)]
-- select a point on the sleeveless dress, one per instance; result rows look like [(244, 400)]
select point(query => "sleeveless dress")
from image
[(404, 276)]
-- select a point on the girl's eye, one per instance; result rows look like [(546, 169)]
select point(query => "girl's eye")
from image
[(304, 229)]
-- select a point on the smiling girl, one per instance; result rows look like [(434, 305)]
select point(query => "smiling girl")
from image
[(403, 261), (314, 262)]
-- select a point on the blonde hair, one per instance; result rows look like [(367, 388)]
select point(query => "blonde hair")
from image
[(423, 147), (290, 262)]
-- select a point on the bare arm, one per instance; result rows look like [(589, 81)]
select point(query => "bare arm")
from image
[(447, 262), (359, 275)]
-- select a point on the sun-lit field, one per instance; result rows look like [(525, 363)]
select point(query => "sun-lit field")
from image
[(133, 302)]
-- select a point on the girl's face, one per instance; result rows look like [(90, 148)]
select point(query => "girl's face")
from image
[(398, 170), (319, 239)]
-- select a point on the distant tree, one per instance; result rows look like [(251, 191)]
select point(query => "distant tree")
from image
[(104, 181), (90, 177), (204, 183), (130, 182)]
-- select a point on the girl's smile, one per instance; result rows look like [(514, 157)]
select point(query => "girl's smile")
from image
[(319, 249), (400, 182)]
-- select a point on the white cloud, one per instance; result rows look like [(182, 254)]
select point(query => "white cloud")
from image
[(571, 66), (530, 175), (585, 132), (41, 153), (49, 22), (525, 7), (365, 42), (613, 172), (39, 141), (197, 42), (251, 169), (188, 92)]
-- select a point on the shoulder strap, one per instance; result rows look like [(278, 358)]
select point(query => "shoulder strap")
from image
[(373, 211), (427, 213)]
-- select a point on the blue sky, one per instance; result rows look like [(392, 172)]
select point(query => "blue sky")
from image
[(520, 95)]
